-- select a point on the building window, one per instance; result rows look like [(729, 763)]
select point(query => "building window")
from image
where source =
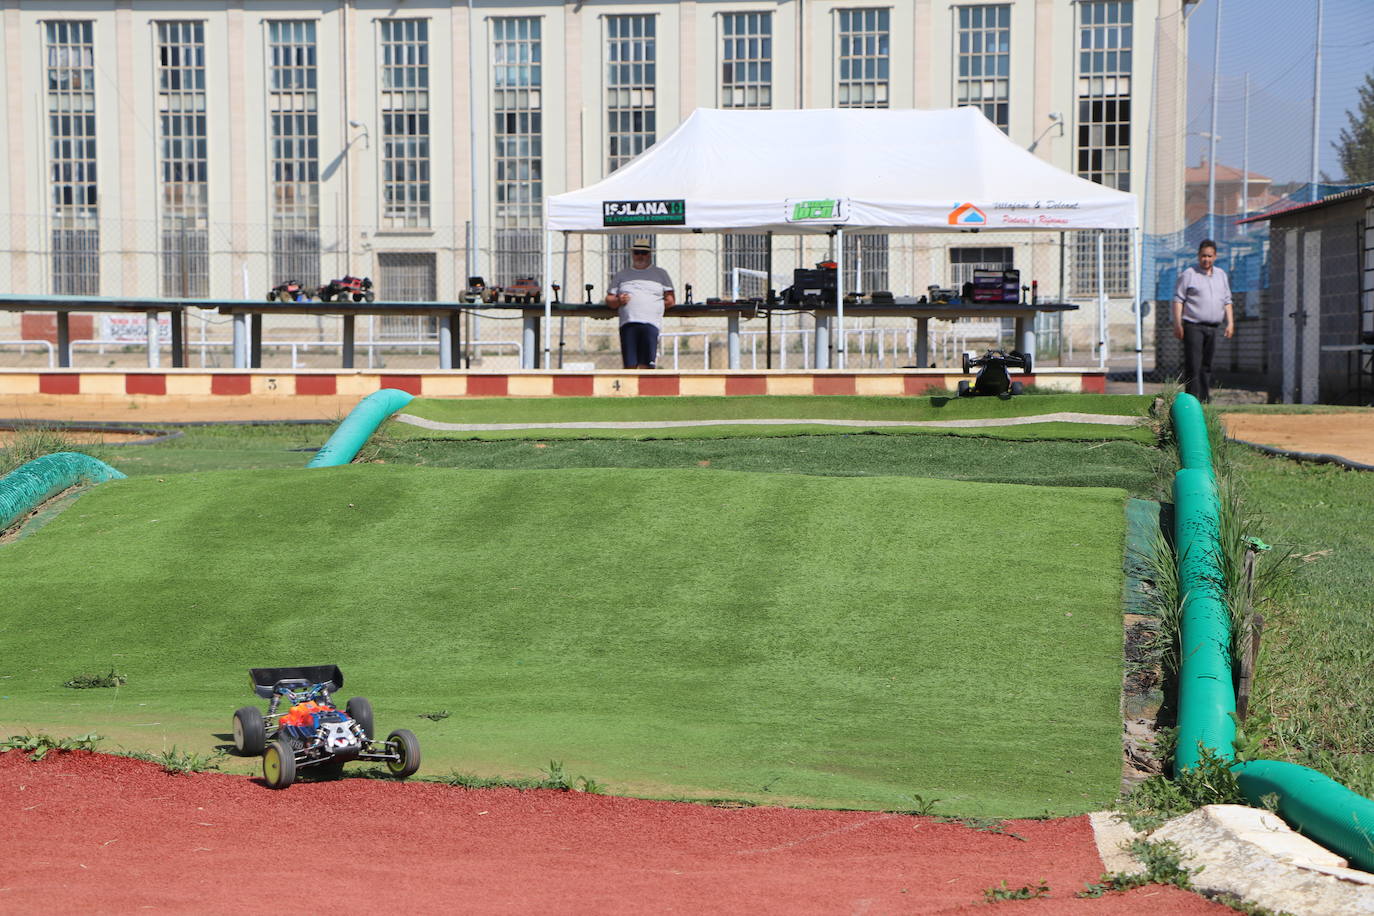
[(405, 123), (517, 105), (408, 276), (630, 78), (293, 110), (746, 60), (985, 60), (182, 128), (746, 81), (865, 262), (863, 83), (1104, 133), (964, 261), (863, 59), (71, 132), (630, 120)]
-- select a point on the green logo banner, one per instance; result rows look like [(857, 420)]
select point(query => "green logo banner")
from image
[(643, 212), (816, 210)]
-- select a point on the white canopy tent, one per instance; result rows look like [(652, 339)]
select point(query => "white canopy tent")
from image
[(838, 170)]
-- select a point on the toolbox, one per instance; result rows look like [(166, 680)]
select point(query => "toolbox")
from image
[(996, 285)]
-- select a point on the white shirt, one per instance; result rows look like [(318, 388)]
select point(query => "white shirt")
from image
[(645, 288)]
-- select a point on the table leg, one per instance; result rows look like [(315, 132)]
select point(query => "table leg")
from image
[(922, 342), (64, 340), (150, 323), (447, 323), (255, 342), (822, 341), (732, 339), (529, 343), (240, 341), (348, 340), (1025, 334), (178, 339)]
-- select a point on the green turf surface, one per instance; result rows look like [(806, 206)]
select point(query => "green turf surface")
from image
[(1126, 465), (725, 409), (848, 642)]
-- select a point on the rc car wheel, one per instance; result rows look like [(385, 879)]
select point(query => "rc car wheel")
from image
[(250, 734), (359, 709), (407, 748), (279, 765), (963, 386), (1017, 387), (1029, 361), (967, 364)]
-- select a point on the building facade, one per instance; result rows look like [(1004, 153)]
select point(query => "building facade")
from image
[(219, 148)]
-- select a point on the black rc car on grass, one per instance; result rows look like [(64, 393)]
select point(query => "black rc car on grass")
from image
[(311, 731), (994, 376)]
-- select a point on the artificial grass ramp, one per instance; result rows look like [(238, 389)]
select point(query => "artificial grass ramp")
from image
[(828, 641)]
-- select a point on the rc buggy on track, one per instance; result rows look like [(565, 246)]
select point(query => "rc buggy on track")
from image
[(310, 731), (993, 375)]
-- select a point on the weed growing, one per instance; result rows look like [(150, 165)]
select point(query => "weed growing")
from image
[(435, 716), (178, 762), (1025, 892), (89, 681), (554, 777), (38, 746), (1210, 782), (1163, 863), (983, 825), (32, 442)]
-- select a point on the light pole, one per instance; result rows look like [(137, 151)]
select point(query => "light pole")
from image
[(1212, 139), (1212, 134)]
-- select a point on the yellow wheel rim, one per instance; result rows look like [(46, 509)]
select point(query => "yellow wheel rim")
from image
[(271, 765)]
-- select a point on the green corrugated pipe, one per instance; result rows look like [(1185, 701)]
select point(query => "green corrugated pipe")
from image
[(1313, 804), (43, 478), (362, 421), (1206, 697)]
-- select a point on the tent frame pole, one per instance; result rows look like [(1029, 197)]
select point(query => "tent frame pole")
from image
[(838, 343), (548, 296), (1101, 302)]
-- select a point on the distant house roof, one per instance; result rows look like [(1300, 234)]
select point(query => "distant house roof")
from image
[(1288, 207), (1200, 174)]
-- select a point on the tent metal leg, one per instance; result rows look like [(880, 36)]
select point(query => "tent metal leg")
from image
[(822, 341)]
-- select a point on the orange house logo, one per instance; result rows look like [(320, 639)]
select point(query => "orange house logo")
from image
[(967, 215)]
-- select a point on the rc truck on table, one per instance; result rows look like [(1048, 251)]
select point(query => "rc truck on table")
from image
[(358, 289), (311, 731), (994, 376), (290, 291)]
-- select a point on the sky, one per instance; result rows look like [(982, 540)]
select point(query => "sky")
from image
[(1273, 41)]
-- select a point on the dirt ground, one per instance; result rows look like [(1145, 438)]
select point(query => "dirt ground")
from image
[(1348, 435), (93, 833)]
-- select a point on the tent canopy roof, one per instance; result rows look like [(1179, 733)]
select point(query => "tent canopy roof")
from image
[(815, 169)]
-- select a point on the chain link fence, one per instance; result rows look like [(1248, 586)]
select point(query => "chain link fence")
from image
[(115, 257)]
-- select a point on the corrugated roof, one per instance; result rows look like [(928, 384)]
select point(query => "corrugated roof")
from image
[(1340, 196)]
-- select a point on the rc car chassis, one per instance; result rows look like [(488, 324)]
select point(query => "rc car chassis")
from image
[(359, 289), (312, 731), (994, 377)]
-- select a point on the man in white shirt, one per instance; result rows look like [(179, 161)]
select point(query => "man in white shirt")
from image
[(1202, 303), (639, 294)]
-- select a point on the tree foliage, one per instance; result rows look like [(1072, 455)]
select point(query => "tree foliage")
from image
[(1356, 146)]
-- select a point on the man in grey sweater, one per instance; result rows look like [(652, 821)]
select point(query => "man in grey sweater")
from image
[(1202, 303), (639, 294)]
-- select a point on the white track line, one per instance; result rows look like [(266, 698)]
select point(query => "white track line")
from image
[(1065, 417)]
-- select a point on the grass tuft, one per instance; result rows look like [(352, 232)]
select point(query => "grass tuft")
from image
[(178, 762), (30, 442), (554, 777)]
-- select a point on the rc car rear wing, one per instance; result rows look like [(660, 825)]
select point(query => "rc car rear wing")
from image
[(265, 680)]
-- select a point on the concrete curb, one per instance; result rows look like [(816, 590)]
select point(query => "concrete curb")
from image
[(1250, 854)]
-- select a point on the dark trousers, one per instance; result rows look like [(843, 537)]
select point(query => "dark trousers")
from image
[(638, 344), (1199, 344)]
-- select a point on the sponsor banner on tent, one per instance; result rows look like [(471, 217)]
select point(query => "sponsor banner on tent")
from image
[(631, 213), (816, 210)]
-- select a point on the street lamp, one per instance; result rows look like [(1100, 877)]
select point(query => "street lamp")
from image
[(1212, 139), (1056, 120), (366, 137)]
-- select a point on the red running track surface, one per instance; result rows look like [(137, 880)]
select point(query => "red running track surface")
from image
[(92, 833)]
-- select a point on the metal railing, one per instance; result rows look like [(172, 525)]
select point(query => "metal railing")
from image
[(296, 347), (22, 344)]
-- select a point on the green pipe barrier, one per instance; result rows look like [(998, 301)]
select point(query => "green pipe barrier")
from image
[(28, 485), (1190, 432), (1206, 695), (1313, 804), (362, 421)]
